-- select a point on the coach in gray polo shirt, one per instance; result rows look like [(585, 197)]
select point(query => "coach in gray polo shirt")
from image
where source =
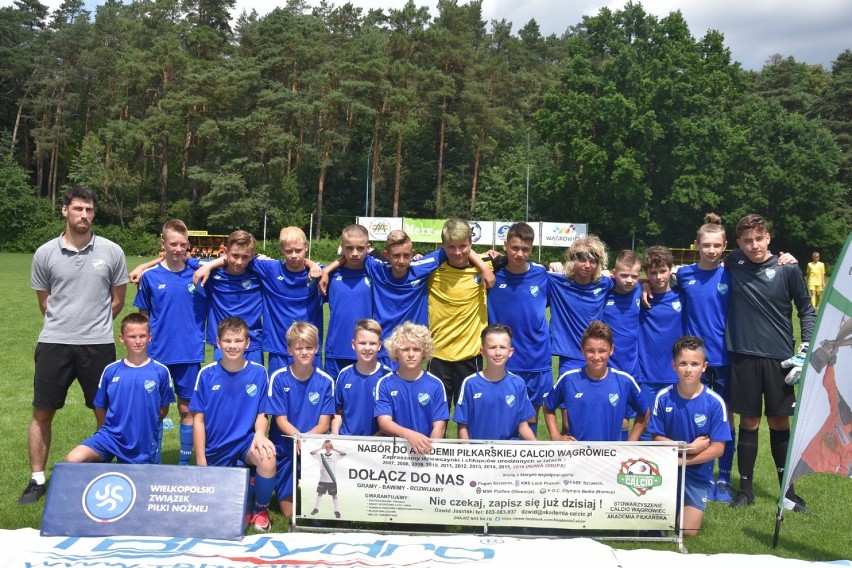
[(80, 280)]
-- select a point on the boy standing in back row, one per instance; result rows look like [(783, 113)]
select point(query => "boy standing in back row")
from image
[(759, 335), (177, 310), (457, 309)]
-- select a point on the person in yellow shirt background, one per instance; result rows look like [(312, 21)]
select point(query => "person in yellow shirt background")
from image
[(816, 279)]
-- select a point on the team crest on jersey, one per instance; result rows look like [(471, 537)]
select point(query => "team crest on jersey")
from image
[(150, 386), (191, 288), (251, 390), (676, 306), (770, 273), (423, 398), (510, 400), (613, 398), (98, 263), (477, 278), (534, 290), (313, 398), (722, 288), (246, 284), (700, 420)]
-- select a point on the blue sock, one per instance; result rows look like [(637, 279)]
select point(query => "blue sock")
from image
[(158, 447), (726, 460), (185, 444), (263, 487)]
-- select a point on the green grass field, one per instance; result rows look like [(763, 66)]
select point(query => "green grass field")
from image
[(822, 535)]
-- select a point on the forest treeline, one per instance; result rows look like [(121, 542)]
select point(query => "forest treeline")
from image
[(171, 108)]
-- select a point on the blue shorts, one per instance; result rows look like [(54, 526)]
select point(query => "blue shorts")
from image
[(538, 383), (568, 363), (255, 356), (285, 484), (230, 457), (697, 489), (184, 376), (107, 447), (333, 365), (718, 379)]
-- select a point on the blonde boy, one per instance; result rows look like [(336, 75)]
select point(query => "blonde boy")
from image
[(411, 403), (301, 400)]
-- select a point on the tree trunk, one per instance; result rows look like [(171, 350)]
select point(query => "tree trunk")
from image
[(164, 176), (321, 187), (442, 132), (480, 141), (397, 174), (374, 166)]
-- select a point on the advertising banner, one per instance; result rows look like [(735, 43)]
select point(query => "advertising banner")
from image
[(562, 234), (502, 227), (567, 485), (482, 232), (423, 230), (102, 499), (380, 227)]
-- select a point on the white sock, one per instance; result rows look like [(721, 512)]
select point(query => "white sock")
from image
[(38, 477)]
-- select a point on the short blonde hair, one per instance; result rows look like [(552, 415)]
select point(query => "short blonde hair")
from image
[(397, 237), (369, 325), (175, 226), (408, 332), (303, 331), (292, 234), (456, 229), (587, 245)]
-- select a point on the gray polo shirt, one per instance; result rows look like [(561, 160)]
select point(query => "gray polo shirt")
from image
[(79, 304)]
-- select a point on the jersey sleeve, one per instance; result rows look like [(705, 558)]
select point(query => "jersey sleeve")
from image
[(167, 393), (39, 273), (383, 407), (553, 398), (440, 409), (143, 296), (275, 402)]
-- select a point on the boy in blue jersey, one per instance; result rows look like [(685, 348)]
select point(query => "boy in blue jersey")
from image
[(289, 292), (621, 314), (133, 397), (229, 428), (518, 299), (411, 403), (231, 292), (691, 413), (660, 325), (350, 299), (301, 400), (355, 389), (706, 291), (577, 298), (177, 310), (596, 396), (493, 403)]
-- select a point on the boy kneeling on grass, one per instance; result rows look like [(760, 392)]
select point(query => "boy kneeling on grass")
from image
[(692, 413), (229, 428)]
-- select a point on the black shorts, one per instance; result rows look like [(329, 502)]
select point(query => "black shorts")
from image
[(58, 364), (329, 487), (758, 379), (453, 373)]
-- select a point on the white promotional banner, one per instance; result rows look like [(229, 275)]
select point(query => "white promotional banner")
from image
[(380, 227), (562, 234), (502, 227), (482, 232), (566, 485)]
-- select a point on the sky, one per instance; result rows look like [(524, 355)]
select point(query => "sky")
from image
[(813, 31)]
